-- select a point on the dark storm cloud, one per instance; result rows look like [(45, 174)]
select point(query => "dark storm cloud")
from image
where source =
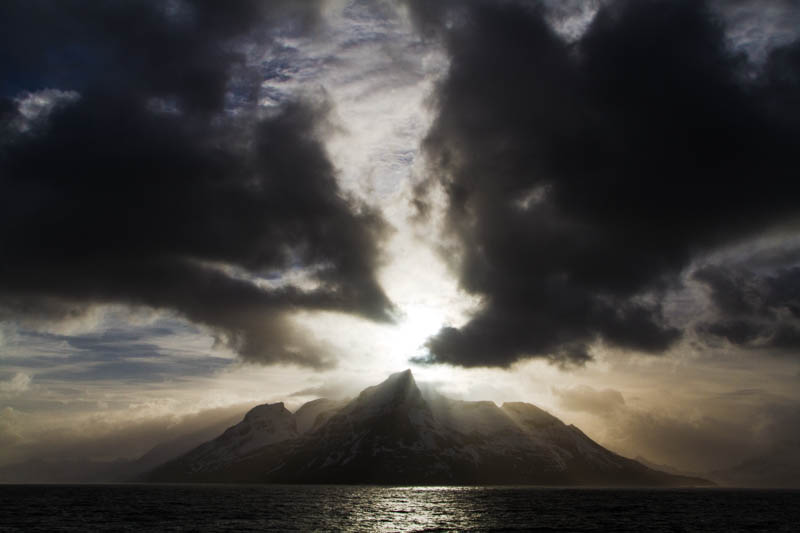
[(582, 178), (144, 188), (177, 48), (754, 310)]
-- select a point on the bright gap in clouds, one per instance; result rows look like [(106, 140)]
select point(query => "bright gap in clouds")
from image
[(378, 74)]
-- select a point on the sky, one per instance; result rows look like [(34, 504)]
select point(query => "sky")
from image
[(588, 205)]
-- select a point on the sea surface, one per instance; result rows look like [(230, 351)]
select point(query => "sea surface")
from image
[(361, 508)]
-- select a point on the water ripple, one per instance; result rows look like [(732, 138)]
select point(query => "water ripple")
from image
[(388, 509)]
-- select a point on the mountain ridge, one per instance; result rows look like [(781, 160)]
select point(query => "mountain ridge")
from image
[(394, 433)]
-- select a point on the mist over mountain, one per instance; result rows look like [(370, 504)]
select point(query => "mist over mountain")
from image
[(777, 468), (398, 433), (79, 461)]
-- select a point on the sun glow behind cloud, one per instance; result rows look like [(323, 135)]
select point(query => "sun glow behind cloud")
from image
[(378, 74)]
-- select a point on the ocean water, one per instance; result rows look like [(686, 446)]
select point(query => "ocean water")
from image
[(358, 508)]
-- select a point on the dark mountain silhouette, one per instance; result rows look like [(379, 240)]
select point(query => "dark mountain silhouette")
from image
[(393, 433)]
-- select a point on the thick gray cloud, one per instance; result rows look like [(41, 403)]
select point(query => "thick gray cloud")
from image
[(753, 310), (156, 180), (583, 177)]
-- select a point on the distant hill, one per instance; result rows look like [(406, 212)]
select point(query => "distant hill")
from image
[(85, 470), (393, 433), (780, 468)]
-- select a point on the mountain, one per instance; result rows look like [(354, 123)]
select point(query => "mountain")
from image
[(779, 468), (394, 433), (669, 469)]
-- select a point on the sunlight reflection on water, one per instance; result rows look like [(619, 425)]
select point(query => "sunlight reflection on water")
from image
[(385, 509)]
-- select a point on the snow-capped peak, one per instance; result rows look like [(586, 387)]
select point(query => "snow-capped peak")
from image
[(398, 390), (266, 411)]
